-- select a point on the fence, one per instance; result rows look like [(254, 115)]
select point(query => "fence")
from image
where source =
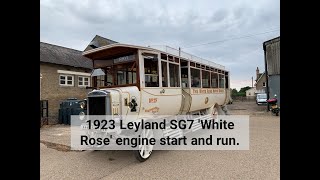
[(244, 98)]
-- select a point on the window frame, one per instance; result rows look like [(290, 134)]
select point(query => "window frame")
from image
[(178, 75), (83, 81), (148, 74), (165, 59), (209, 80), (200, 77), (167, 73), (224, 81), (66, 80)]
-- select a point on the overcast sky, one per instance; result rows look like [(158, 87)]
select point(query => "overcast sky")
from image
[(227, 32)]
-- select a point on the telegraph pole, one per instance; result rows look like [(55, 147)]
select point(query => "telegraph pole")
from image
[(252, 81)]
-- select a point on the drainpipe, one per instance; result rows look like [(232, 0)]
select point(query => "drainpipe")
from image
[(266, 72)]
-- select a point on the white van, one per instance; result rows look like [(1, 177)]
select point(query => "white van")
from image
[(261, 98)]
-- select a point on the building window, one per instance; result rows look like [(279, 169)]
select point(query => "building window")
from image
[(66, 80), (83, 81), (264, 84)]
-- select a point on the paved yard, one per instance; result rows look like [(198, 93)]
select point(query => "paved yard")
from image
[(262, 161), (56, 136)]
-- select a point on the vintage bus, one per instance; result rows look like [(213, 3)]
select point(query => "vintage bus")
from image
[(159, 80)]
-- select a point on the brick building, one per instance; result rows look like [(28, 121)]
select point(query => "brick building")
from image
[(260, 82), (64, 73)]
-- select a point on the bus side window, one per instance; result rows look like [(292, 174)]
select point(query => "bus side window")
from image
[(164, 74), (151, 72), (195, 77), (214, 80), (227, 82), (221, 81), (174, 75), (205, 79), (184, 77)]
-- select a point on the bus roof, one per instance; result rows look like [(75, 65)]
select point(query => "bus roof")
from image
[(117, 48)]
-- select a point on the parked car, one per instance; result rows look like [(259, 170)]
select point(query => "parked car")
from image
[(261, 98)]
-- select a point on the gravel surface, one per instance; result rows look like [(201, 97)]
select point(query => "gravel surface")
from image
[(262, 161)]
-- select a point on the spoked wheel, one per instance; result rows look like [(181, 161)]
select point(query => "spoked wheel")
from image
[(144, 151), (95, 135), (215, 111)]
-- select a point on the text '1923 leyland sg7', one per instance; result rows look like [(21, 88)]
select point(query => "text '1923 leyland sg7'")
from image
[(142, 82)]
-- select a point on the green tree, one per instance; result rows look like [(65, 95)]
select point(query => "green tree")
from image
[(234, 92), (244, 89), (243, 94)]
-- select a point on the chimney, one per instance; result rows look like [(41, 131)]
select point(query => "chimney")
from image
[(257, 73)]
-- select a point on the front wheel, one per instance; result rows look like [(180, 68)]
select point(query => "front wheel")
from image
[(145, 150)]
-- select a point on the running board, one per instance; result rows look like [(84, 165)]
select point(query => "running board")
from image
[(197, 125), (172, 133), (177, 133)]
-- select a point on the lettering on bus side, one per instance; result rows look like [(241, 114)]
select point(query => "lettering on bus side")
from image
[(203, 91), (153, 100)]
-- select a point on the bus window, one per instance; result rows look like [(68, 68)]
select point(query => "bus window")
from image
[(174, 75), (183, 63), (227, 82), (108, 77), (118, 71), (221, 81), (100, 81), (214, 80), (195, 77), (164, 74), (184, 77), (121, 77), (151, 72), (132, 77), (104, 80), (205, 79), (125, 74), (163, 56)]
